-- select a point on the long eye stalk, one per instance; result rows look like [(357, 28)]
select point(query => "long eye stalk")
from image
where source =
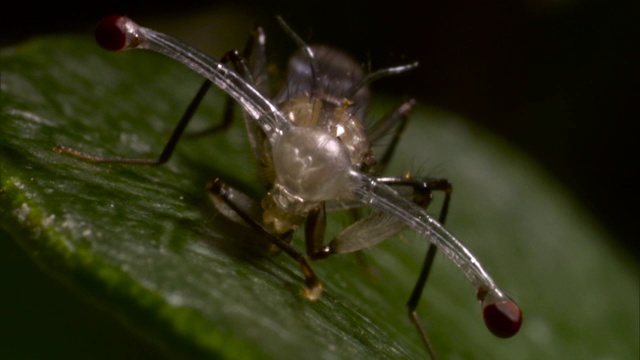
[(501, 314), (117, 32)]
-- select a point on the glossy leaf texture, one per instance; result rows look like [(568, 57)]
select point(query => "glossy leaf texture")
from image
[(145, 244)]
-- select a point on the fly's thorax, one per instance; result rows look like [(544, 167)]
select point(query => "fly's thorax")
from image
[(303, 111), (310, 166), (351, 133), (312, 160), (310, 163), (336, 118)]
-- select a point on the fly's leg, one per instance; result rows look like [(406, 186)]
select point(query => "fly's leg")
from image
[(239, 64), (378, 227), (396, 118), (314, 233), (240, 208), (375, 228), (434, 185), (251, 65), (256, 51), (168, 148), (423, 196)]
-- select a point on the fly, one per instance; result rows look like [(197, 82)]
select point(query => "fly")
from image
[(315, 156)]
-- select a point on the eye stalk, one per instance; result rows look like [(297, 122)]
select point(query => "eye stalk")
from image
[(118, 32)]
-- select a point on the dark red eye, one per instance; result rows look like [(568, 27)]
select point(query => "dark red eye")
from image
[(503, 318), (111, 33)]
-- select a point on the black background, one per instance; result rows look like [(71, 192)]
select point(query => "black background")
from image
[(555, 78)]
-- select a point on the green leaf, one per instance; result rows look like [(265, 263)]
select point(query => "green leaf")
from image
[(146, 244)]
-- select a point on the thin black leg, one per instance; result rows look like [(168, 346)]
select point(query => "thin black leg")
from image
[(168, 148), (414, 299), (314, 228), (313, 284), (227, 120), (398, 118), (239, 64), (424, 189)]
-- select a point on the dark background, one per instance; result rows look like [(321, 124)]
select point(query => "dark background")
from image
[(553, 77)]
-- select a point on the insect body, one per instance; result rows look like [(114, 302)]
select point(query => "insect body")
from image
[(309, 164), (315, 154)]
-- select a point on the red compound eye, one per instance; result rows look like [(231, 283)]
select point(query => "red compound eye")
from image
[(503, 318), (111, 33)]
